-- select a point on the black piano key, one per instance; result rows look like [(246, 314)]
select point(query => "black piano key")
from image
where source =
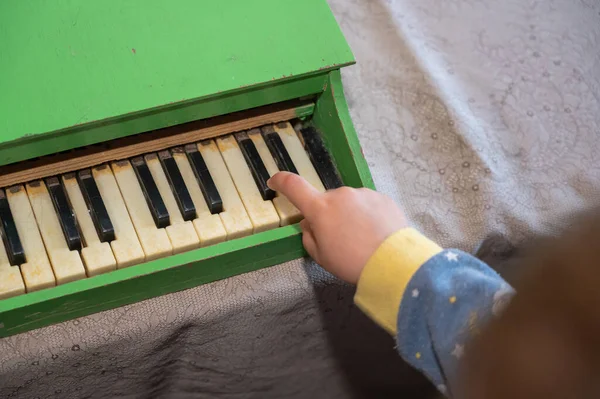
[(95, 204), (10, 235), (256, 165), (320, 158), (180, 191), (157, 206), (65, 213), (205, 180), (279, 152)]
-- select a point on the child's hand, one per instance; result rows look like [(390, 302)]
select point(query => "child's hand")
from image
[(342, 228)]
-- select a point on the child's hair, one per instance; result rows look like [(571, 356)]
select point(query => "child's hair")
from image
[(546, 343)]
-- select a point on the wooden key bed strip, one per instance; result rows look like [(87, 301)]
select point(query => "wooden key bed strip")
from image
[(54, 165)]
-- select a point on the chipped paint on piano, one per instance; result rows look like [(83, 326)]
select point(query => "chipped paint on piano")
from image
[(294, 81)]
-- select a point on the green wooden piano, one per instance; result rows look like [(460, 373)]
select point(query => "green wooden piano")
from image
[(136, 139)]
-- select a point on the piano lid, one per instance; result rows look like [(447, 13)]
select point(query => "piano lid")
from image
[(66, 63)]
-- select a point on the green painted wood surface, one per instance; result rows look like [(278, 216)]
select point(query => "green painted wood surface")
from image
[(333, 119), (121, 287), (97, 132), (148, 280), (66, 63)]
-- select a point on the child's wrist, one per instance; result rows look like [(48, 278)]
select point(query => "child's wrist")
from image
[(384, 278)]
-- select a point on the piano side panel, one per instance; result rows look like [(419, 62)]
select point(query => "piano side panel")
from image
[(332, 119)]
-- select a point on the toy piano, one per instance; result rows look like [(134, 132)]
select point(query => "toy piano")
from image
[(136, 139)]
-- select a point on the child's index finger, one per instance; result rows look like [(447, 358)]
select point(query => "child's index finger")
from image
[(297, 190)]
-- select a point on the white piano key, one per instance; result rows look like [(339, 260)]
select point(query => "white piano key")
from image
[(37, 272), (182, 234), (288, 213), (155, 242), (67, 264), (126, 246), (262, 213), (298, 154), (97, 256), (234, 216), (11, 281), (209, 227)]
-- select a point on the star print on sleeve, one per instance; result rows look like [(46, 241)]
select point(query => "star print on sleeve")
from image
[(457, 294), (452, 257), (458, 351)]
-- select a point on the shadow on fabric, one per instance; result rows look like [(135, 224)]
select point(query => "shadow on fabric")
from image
[(364, 352)]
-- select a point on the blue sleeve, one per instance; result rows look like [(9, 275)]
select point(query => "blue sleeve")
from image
[(445, 304)]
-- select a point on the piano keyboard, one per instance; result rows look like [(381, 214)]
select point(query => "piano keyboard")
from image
[(126, 212)]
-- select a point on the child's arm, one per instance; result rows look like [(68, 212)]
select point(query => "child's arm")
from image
[(431, 300)]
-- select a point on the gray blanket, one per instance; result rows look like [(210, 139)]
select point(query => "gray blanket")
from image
[(477, 116)]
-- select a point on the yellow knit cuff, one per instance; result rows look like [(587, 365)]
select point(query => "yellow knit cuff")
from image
[(387, 273)]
